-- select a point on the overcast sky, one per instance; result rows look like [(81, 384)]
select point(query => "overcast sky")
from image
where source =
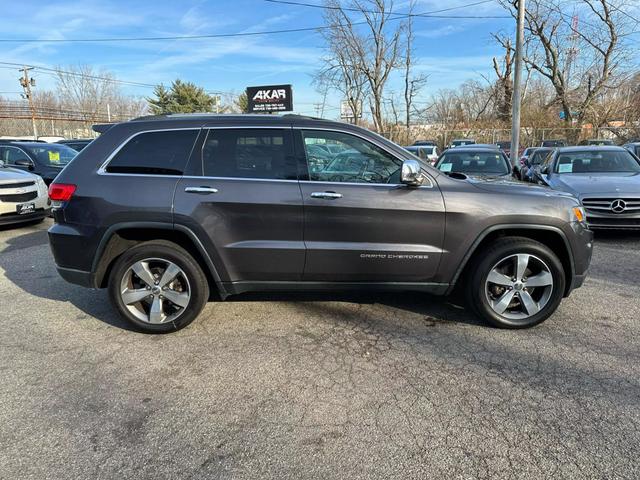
[(449, 50)]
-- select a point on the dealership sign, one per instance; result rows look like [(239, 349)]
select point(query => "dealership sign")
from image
[(270, 98)]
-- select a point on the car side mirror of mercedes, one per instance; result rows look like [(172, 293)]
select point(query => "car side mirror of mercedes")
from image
[(411, 173)]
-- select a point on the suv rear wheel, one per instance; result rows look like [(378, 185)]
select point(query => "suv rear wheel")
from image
[(158, 287), (516, 283)]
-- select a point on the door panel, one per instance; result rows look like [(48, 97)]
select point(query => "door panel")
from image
[(361, 225), (251, 223), (372, 233)]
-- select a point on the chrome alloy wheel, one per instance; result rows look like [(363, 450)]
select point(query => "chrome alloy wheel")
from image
[(155, 290), (519, 286)]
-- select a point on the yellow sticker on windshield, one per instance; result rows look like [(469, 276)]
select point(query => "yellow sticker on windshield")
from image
[(54, 157)]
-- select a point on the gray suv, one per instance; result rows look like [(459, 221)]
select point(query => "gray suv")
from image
[(167, 212)]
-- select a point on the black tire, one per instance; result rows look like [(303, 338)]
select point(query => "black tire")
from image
[(159, 249), (503, 248)]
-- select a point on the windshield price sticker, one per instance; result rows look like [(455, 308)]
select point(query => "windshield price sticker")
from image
[(565, 168), (54, 157), (446, 167)]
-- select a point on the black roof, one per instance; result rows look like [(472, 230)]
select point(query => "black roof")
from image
[(474, 148), (198, 120), (226, 117)]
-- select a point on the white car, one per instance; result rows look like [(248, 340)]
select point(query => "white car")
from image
[(428, 153), (23, 196)]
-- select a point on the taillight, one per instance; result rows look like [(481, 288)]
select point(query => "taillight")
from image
[(522, 161), (61, 192)]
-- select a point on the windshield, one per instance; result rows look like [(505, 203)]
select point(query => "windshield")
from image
[(595, 161), (53, 155), (491, 163)]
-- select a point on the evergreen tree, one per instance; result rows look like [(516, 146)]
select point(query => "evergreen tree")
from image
[(161, 104), (182, 97)]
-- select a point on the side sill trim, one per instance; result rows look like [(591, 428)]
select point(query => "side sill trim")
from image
[(235, 288)]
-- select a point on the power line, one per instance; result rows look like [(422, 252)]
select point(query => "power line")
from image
[(432, 14), (229, 35), (80, 74), (151, 39)]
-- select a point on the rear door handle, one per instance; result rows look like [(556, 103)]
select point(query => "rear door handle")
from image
[(201, 190), (326, 195)]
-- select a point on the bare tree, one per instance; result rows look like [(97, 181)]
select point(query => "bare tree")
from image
[(413, 84), (580, 60), (504, 85), (373, 52), (85, 90), (339, 73)]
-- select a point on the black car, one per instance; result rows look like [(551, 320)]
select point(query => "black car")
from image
[(44, 159), (597, 142), (167, 211), (474, 160), (536, 158), (554, 143), (606, 180), (77, 144), (633, 147)]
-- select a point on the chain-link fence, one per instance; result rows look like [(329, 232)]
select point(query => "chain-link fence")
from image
[(529, 136), (52, 121)]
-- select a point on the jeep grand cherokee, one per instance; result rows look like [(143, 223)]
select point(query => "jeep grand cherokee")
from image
[(164, 211)]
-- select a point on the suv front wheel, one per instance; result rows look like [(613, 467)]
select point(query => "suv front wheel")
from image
[(158, 287), (516, 283)]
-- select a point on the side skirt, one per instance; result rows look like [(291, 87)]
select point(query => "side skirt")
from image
[(235, 288)]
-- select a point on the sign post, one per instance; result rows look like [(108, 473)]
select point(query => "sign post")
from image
[(270, 99)]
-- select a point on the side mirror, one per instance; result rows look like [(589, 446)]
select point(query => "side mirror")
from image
[(539, 175), (410, 174), (23, 162)]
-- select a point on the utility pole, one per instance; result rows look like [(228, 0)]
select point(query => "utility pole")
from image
[(516, 99), (26, 84)]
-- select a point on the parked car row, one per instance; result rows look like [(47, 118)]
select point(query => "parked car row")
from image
[(604, 178), (26, 169)]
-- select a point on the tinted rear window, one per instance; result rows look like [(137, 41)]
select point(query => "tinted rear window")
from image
[(157, 153), (249, 153)]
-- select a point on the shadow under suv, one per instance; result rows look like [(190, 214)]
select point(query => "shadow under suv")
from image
[(164, 211)]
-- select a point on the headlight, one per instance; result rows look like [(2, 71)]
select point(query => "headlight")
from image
[(578, 214)]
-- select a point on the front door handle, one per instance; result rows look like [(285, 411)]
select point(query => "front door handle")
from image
[(201, 190), (326, 195)]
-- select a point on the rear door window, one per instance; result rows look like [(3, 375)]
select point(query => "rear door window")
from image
[(155, 153), (249, 153)]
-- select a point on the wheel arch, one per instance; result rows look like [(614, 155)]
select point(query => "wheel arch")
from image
[(548, 235), (120, 237)]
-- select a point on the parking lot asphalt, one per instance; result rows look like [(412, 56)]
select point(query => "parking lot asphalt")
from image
[(317, 386)]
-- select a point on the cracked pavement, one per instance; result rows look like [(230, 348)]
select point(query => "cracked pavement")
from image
[(317, 386)]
